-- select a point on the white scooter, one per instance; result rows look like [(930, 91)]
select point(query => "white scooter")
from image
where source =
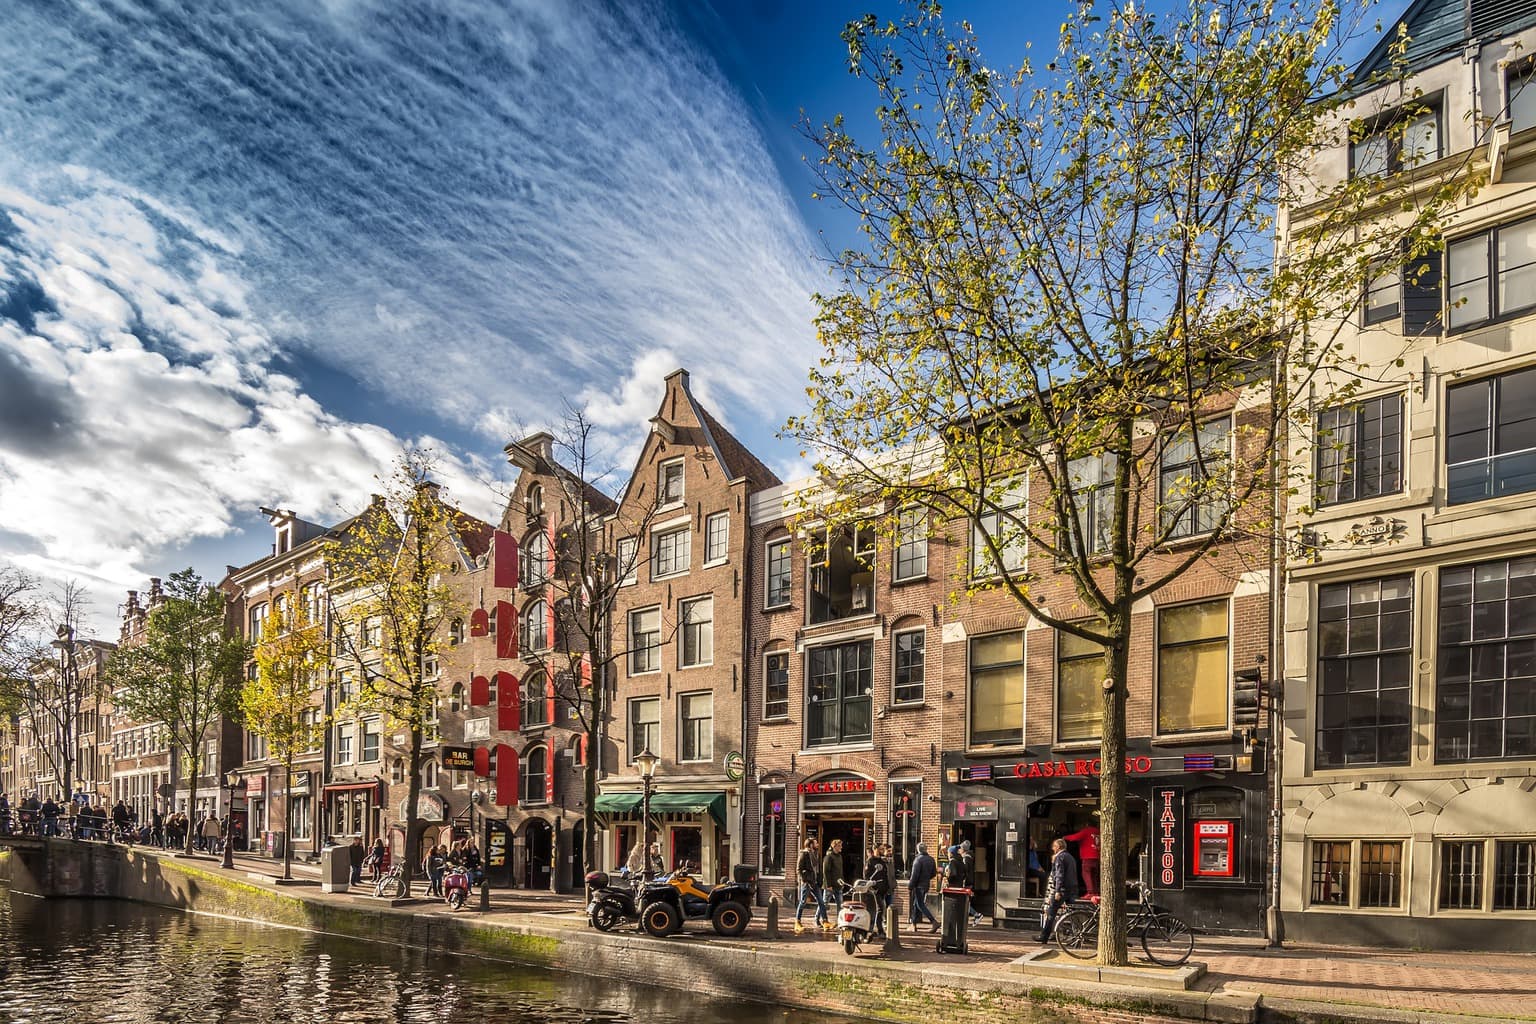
[(856, 921)]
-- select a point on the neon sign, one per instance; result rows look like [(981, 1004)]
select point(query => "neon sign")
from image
[(1081, 766)]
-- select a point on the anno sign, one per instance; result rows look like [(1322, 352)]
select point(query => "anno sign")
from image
[(838, 786), (1079, 766)]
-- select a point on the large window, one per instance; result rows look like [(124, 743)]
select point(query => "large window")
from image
[(838, 684), (997, 689), (771, 862), (696, 726), (534, 626), (1514, 875), (533, 567), (906, 822), (999, 544), (1485, 704), (535, 709), (717, 536), (1360, 450), (1364, 672), (371, 737), (907, 651), (1461, 875), (1363, 873), (1079, 688), (1520, 86), (669, 482), (1492, 274), (644, 641), (911, 545), (776, 685), (1331, 873), (1465, 883), (698, 624), (842, 573), (670, 552), (1092, 481), (1193, 686), (776, 594), (644, 725), (535, 777), (1192, 481), (1398, 142), (1491, 437)]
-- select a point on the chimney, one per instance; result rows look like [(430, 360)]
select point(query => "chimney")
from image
[(155, 596)]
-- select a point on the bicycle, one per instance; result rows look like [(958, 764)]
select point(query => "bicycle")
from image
[(1165, 939), (391, 884)]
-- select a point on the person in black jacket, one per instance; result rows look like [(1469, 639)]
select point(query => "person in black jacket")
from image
[(878, 873), (918, 882), (808, 873), (1061, 888)]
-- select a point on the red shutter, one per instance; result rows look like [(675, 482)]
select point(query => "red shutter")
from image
[(503, 560), (586, 670), (582, 751), (506, 630), (549, 699), (549, 775), (479, 622), (509, 702), (506, 776), (479, 691), (554, 555), (552, 624), (483, 762)]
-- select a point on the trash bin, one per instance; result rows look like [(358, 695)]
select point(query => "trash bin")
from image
[(335, 868), (955, 908)]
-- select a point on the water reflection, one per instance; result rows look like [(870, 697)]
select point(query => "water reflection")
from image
[(93, 962)]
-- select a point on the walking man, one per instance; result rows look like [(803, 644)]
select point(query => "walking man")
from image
[(832, 881), (807, 871), (918, 881), (1060, 888)]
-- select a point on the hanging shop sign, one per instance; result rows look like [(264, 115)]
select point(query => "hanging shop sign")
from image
[(1168, 837), (458, 759)]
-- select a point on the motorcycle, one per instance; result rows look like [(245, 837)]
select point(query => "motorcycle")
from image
[(456, 884), (611, 904), (856, 922)]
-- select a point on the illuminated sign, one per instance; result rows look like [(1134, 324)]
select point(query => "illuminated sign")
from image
[(975, 810), (458, 759), (1083, 766), (1167, 853), (838, 786)]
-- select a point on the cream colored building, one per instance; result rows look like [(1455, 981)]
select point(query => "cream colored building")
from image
[(1409, 811)]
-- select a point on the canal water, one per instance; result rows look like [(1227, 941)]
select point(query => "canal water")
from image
[(98, 961)]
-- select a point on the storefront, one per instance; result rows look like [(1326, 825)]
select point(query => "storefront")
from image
[(351, 810), (691, 827), (839, 806), (1197, 831)]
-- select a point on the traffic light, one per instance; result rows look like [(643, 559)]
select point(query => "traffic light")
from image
[(1245, 698)]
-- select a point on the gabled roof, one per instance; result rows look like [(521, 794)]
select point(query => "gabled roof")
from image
[(738, 461), (1437, 29)]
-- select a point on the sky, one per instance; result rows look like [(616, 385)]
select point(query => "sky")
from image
[(250, 251)]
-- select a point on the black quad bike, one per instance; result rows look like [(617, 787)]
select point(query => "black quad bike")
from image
[(666, 905), (612, 902)]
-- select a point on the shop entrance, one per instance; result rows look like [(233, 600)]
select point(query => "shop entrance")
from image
[(853, 832), (983, 837), (538, 841), (1075, 817)]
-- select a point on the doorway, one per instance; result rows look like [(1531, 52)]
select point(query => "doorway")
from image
[(1071, 816), (983, 836), (854, 832), (538, 844), (687, 848)]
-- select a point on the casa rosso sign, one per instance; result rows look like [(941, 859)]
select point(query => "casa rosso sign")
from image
[(1079, 766), (838, 786)]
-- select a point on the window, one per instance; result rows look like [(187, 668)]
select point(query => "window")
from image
[(997, 690), (698, 623), (456, 698), (842, 573), (1079, 687), (429, 778), (669, 552), (343, 748), (373, 633), (371, 738), (1485, 697), (1383, 292), (1365, 873), (1194, 468), (1360, 450), (534, 632), (644, 725), (1491, 437), (911, 545), (460, 779), (776, 685), (258, 620), (1492, 274), (629, 553), (1331, 873), (906, 822), (779, 570), (535, 709), (717, 535), (1514, 875), (644, 641), (908, 665), (771, 860), (455, 632), (696, 733), (397, 771), (1364, 672), (535, 778), (1192, 679), (255, 747), (669, 483), (309, 602), (533, 566), (431, 721), (998, 541), (1461, 876), (838, 684), (1381, 874), (1522, 96), (430, 667), (1093, 494), (1404, 140), (535, 503), (302, 811)]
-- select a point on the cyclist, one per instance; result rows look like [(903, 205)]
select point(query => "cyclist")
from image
[(1060, 888)]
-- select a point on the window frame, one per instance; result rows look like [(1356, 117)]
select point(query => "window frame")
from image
[(706, 632), (1392, 128), (706, 755), (771, 832), (841, 676), (1466, 644), (1378, 269), (1075, 659), (1491, 424), (533, 628), (904, 834), (1524, 70), (1349, 458), (1087, 502), (627, 577), (1348, 658), (784, 567), (911, 534), (1195, 510), (682, 551), (663, 471), (921, 632), (1496, 313), (769, 715), (632, 705), (535, 796), (1355, 880), (533, 707), (370, 727), (1022, 664), (709, 539), (1157, 697), (653, 651), (1015, 550)]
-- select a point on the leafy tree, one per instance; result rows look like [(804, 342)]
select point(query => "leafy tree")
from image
[(20, 612), (1063, 274), (391, 604), (278, 704), (183, 671)]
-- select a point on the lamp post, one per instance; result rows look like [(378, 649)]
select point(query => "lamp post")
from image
[(65, 695), (233, 782), (646, 762)]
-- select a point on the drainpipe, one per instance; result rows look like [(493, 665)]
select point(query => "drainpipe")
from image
[(1273, 928)]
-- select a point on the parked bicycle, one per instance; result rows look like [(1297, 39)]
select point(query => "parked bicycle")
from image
[(391, 884), (1165, 939)]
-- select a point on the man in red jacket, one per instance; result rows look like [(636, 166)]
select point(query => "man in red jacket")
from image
[(1087, 840)]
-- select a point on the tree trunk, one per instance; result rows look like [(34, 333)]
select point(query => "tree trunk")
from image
[(288, 817), (193, 826), (413, 812), (1112, 794)]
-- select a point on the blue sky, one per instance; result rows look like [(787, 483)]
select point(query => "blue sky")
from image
[(247, 251)]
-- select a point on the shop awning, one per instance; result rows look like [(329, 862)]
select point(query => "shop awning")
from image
[(712, 804), (352, 787), (618, 803)]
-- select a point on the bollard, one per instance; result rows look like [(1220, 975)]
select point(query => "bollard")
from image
[(892, 939), (485, 894), (772, 930)]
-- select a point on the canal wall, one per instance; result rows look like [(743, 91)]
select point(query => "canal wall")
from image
[(49, 867)]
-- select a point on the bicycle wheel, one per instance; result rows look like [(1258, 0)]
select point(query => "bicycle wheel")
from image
[(1167, 940), (1077, 933)]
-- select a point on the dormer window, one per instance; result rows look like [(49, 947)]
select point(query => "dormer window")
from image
[(535, 500), (669, 483), (284, 539), (1398, 141)]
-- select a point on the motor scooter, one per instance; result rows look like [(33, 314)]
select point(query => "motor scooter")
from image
[(456, 883), (856, 922)]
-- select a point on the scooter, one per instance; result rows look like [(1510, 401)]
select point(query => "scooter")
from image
[(612, 904), (456, 887), (856, 921)]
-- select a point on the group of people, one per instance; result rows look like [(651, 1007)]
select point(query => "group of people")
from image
[(463, 854), (823, 877), (84, 818)]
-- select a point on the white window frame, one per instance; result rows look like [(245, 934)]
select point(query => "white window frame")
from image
[(1353, 905), (682, 551), (628, 567), (365, 728), (787, 655), (683, 608), (1011, 500), (662, 470), (896, 635), (1206, 503), (633, 649), (789, 564), (629, 726), (910, 535), (725, 538), (682, 728)]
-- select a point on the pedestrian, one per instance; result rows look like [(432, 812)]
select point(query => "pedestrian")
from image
[(374, 860), (968, 872), (436, 864), (1087, 840), (832, 881), (5, 814), (918, 881), (634, 866), (888, 855), (50, 816), (808, 874), (210, 832), (877, 873), (1060, 888), (472, 862), (157, 827), (355, 857)]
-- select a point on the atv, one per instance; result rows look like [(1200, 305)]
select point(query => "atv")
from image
[(666, 905)]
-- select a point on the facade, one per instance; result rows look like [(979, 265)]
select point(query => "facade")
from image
[(35, 765), (679, 622), (1410, 634), (144, 775)]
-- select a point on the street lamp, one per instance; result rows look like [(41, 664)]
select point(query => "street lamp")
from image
[(233, 782), (646, 762)]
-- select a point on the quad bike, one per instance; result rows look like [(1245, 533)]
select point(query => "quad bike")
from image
[(667, 905)]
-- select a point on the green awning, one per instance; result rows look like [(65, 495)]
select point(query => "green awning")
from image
[(712, 804), (618, 803)]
